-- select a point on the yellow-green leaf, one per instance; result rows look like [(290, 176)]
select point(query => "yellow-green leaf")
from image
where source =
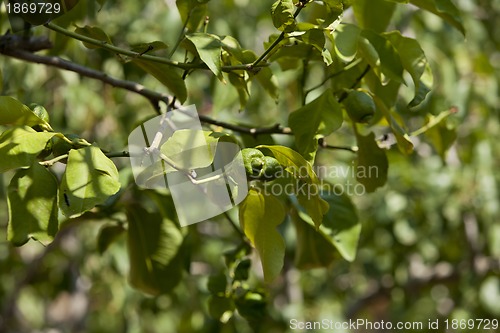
[(372, 164), (155, 251), (260, 214), (209, 49), (90, 178), (320, 117), (19, 147), (95, 33), (307, 185), (32, 200), (13, 112)]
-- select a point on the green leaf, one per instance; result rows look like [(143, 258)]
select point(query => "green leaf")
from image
[(252, 306), (414, 61), (268, 81), (282, 15), (331, 11), (318, 118), (264, 75), (390, 64), (155, 251), (388, 93), (297, 52), (90, 178), (346, 41), (217, 283), (167, 75), (444, 9), (313, 250), (316, 38), (341, 225), (340, 230), (373, 14), (442, 135), (192, 11), (307, 185), (19, 147), (404, 142), (220, 307), (209, 49), (13, 112), (239, 82), (372, 164), (32, 200), (107, 235), (259, 216), (149, 47), (95, 33), (293, 162)]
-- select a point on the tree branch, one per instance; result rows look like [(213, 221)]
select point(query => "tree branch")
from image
[(322, 143), (153, 96), (132, 54)]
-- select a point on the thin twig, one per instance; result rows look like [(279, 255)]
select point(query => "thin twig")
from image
[(277, 41), (132, 54), (181, 35), (322, 143), (355, 83), (331, 76)]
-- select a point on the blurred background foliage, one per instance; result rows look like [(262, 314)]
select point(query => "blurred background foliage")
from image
[(430, 242)]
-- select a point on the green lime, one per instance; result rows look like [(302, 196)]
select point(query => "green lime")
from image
[(360, 106)]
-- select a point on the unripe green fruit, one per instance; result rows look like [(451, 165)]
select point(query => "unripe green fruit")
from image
[(253, 160), (360, 106), (258, 166), (272, 168)]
